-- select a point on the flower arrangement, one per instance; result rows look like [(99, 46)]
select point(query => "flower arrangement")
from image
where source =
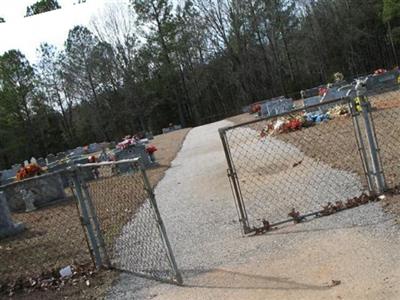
[(305, 120), (255, 108), (151, 149), (28, 171), (380, 71)]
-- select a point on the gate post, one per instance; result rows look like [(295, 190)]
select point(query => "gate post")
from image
[(233, 179), (377, 171), (93, 213), (86, 220), (355, 113)]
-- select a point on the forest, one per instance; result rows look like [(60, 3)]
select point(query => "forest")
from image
[(142, 66)]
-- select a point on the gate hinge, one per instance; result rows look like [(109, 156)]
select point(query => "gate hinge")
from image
[(231, 173)]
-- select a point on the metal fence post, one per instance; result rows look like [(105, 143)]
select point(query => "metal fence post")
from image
[(161, 223), (373, 148), (233, 178), (93, 213), (86, 220), (361, 145)]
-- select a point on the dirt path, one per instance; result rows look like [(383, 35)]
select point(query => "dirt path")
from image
[(359, 247)]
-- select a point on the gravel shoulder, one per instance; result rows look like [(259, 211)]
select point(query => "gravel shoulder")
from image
[(358, 248)]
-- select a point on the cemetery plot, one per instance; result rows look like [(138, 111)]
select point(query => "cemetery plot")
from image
[(52, 239)]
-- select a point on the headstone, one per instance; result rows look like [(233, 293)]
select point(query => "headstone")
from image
[(149, 135), (7, 226), (34, 192), (61, 155), (177, 127), (78, 151), (133, 151), (94, 148), (41, 162), (310, 102), (8, 175), (276, 106), (385, 81), (50, 158)]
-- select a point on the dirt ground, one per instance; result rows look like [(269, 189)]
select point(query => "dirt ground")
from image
[(53, 233)]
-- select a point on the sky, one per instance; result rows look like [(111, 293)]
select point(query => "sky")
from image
[(26, 34)]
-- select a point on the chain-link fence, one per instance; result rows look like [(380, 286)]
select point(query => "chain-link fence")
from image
[(134, 238), (51, 234), (287, 167), (385, 113), (104, 214)]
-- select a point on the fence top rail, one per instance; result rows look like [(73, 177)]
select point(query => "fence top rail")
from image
[(334, 101), (109, 163)]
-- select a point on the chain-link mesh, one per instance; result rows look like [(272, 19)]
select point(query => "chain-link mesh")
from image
[(129, 220), (289, 170), (385, 112), (52, 237)]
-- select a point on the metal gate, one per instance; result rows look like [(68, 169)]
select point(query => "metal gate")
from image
[(125, 231), (290, 167)]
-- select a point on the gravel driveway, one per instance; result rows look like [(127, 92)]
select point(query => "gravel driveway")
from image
[(358, 247)]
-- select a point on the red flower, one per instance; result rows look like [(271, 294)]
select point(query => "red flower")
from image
[(151, 149), (29, 171)]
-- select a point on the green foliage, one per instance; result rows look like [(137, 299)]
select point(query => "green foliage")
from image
[(391, 10), (2, 20), (41, 6)]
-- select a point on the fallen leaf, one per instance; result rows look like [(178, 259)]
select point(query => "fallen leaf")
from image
[(335, 283)]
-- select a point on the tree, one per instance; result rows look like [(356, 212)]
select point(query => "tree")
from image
[(2, 20), (42, 6), (51, 84), (16, 94), (158, 18), (82, 75), (391, 14)]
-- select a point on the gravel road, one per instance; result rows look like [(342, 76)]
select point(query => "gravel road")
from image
[(357, 248)]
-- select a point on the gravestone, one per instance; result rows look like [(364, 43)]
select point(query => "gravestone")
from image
[(50, 158), (133, 151), (78, 151), (8, 175), (41, 162), (7, 226), (310, 102), (276, 106), (61, 155), (384, 81), (94, 148), (149, 135), (34, 192)]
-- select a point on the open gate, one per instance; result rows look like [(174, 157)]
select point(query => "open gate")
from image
[(125, 231), (290, 167)]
